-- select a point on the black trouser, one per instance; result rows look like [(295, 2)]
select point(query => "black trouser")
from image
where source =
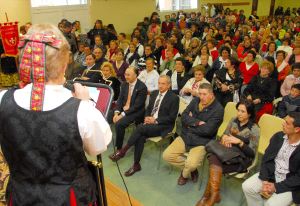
[(227, 168), (122, 124), (139, 136)]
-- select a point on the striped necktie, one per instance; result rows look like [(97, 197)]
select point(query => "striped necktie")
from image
[(155, 108)]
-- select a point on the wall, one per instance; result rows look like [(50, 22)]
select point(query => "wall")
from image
[(263, 7), (287, 3), (247, 8), (124, 14), (54, 15), (17, 10)]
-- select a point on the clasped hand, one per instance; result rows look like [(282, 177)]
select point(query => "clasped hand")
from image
[(229, 140), (149, 120)]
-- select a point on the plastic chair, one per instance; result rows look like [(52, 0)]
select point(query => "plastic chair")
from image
[(160, 140), (182, 105), (229, 113), (269, 125)]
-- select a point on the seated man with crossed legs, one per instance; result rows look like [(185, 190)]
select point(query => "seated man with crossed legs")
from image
[(130, 105), (200, 122), (159, 121)]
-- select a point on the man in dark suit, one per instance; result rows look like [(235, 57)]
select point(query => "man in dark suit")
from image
[(130, 105), (159, 121), (278, 182)]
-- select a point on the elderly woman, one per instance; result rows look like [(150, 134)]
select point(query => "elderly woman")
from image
[(242, 134), (227, 82), (261, 90), (191, 87), (56, 128), (110, 78)]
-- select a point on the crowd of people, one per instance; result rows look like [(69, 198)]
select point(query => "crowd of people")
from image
[(202, 62)]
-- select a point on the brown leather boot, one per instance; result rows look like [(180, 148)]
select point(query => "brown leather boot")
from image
[(215, 177), (205, 196)]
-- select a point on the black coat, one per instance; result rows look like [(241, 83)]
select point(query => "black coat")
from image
[(138, 98), (267, 170), (168, 109), (261, 88), (194, 135)]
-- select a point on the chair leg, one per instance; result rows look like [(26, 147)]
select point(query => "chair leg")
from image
[(159, 157), (202, 173)]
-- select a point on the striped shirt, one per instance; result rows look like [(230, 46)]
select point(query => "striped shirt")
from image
[(282, 159)]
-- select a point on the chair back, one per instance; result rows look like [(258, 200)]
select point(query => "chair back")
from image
[(229, 113), (269, 125)]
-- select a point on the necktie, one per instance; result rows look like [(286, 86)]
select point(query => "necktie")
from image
[(155, 108), (127, 104)]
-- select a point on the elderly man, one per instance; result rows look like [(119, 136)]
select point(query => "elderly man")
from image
[(159, 121), (200, 122), (130, 105), (278, 182)]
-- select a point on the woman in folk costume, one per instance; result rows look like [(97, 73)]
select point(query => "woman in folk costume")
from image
[(44, 129)]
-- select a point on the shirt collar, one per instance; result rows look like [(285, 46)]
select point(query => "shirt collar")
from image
[(285, 137), (133, 83)]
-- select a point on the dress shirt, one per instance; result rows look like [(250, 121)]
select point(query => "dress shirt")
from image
[(93, 128), (161, 99), (282, 159), (150, 79)]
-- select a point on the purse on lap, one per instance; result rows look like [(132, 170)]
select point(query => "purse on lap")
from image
[(227, 155)]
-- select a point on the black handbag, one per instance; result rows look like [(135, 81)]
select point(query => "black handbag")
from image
[(227, 155)]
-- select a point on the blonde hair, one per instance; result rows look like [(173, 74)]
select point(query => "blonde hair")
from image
[(200, 68), (110, 66), (268, 65), (56, 59)]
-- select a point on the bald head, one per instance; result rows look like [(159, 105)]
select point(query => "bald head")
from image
[(131, 74)]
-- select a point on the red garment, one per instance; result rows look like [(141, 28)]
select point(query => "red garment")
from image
[(248, 74), (283, 73), (167, 27), (264, 47), (163, 53), (266, 109), (240, 52), (214, 53)]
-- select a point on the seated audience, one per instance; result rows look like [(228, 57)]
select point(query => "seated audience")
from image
[(290, 103), (200, 122), (110, 78), (219, 63), (130, 106), (131, 56), (271, 50), (99, 44), (227, 82), (149, 76), (141, 65), (203, 51), (291, 79), (99, 55), (79, 56), (179, 77), (90, 73), (120, 65), (167, 66), (248, 69), (277, 183), (242, 136), (261, 90), (159, 120), (282, 66), (191, 88), (111, 51)]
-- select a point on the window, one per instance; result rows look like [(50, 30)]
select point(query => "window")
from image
[(41, 3), (172, 5)]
